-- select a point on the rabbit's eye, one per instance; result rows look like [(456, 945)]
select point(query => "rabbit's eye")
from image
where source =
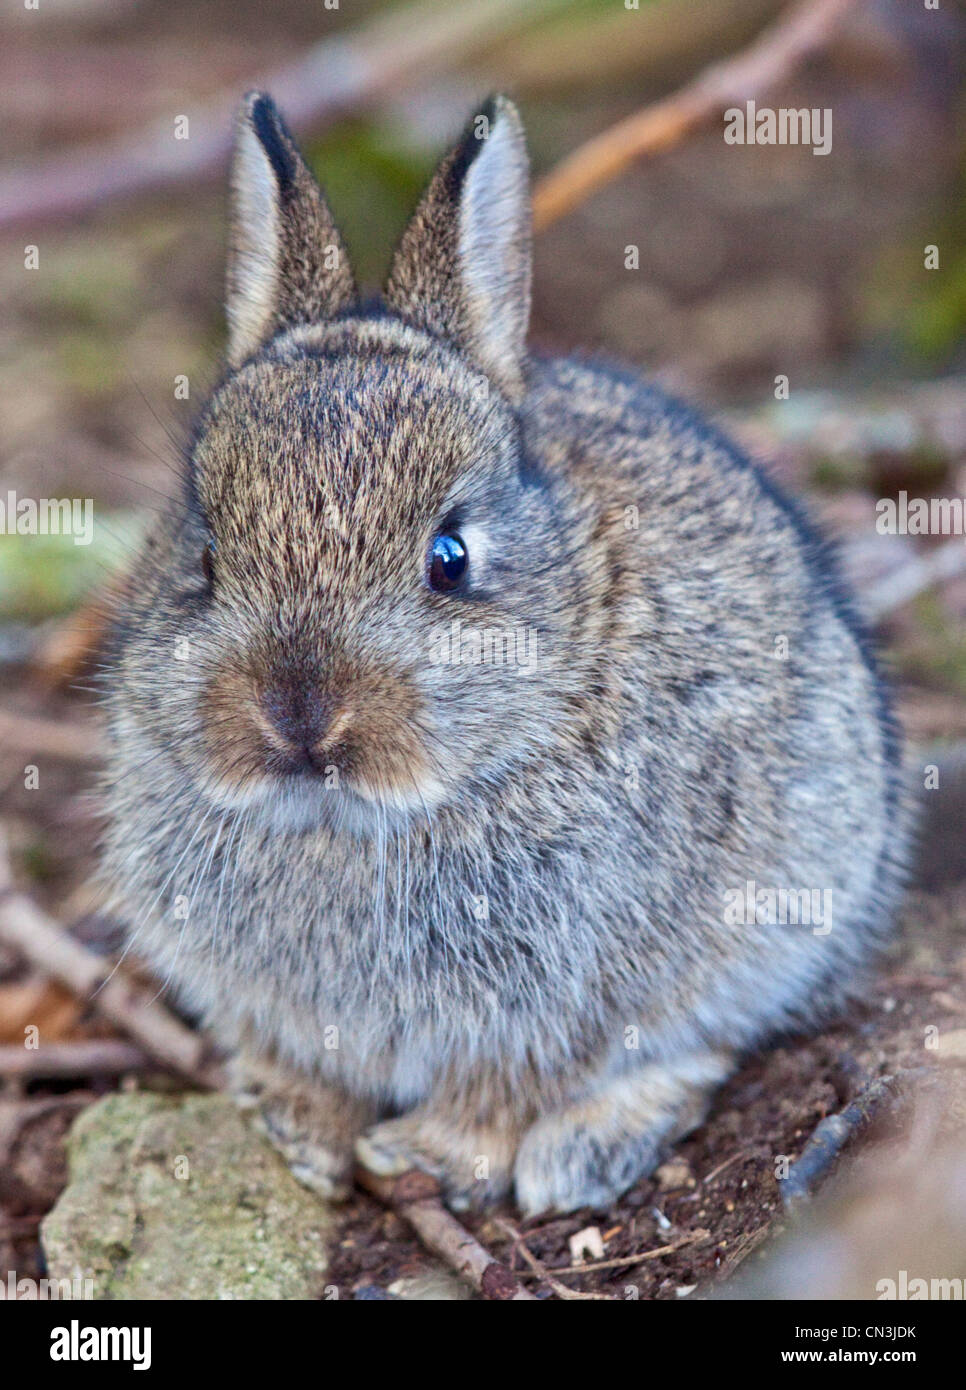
[(208, 563), (447, 563)]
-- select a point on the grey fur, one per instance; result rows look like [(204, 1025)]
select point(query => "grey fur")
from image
[(508, 921)]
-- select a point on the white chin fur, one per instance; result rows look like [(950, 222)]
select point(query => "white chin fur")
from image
[(297, 805)]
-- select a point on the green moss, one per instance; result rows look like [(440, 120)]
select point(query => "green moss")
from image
[(38, 862), (936, 654), (92, 364), (936, 323), (88, 286), (41, 576), (839, 472), (924, 309), (372, 181)]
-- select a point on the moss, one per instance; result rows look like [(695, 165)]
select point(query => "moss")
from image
[(936, 654), (41, 576), (372, 181)]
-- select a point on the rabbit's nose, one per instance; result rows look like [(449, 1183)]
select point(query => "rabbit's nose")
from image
[(300, 713)]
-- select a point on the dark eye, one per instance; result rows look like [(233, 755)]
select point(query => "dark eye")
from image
[(208, 563), (447, 563)]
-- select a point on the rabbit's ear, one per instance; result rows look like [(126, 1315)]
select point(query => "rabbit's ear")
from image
[(286, 261), (463, 266)]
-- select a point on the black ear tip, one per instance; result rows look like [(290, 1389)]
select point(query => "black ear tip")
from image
[(258, 105), (496, 107), (495, 110), (261, 113)]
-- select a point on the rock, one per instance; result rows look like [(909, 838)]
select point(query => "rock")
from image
[(586, 1245), (177, 1198), (675, 1173), (434, 1284)]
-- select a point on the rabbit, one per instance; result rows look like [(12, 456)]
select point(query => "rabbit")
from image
[(478, 718)]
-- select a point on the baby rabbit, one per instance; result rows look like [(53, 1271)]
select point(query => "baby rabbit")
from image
[(496, 753)]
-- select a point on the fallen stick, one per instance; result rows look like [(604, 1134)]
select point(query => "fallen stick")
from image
[(48, 947), (12, 1227), (623, 1261), (99, 1057), (939, 566), (35, 737), (336, 76), (540, 1270), (770, 60), (415, 1197), (833, 1133)]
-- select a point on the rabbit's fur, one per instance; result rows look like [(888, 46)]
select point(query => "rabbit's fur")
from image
[(487, 929)]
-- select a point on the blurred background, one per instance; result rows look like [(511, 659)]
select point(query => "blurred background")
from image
[(752, 263)]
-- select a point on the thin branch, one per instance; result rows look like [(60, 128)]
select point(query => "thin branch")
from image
[(624, 1261), (52, 950), (939, 566), (716, 1172), (54, 738), (98, 1057), (836, 1132), (542, 1272), (415, 1197), (769, 61), (339, 75)]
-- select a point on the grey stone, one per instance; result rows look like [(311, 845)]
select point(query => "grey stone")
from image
[(177, 1198)]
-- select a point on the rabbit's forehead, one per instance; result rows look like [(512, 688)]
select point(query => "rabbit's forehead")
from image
[(346, 435)]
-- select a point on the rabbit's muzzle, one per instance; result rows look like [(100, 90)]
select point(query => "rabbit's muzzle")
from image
[(303, 719), (350, 729)]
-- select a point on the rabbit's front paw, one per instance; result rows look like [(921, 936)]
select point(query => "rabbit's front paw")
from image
[(473, 1163), (590, 1152), (312, 1125)]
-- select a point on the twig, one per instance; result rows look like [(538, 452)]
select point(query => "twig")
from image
[(541, 1270), (833, 1133), (335, 76), (53, 951), (946, 562), (415, 1197), (99, 1057), (769, 61), (12, 1227), (622, 1261), (716, 1172), (36, 737)]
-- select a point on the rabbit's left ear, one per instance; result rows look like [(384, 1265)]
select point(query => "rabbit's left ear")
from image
[(463, 267), (286, 261)]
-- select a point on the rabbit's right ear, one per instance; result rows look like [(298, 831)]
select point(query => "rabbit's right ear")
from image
[(286, 261)]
